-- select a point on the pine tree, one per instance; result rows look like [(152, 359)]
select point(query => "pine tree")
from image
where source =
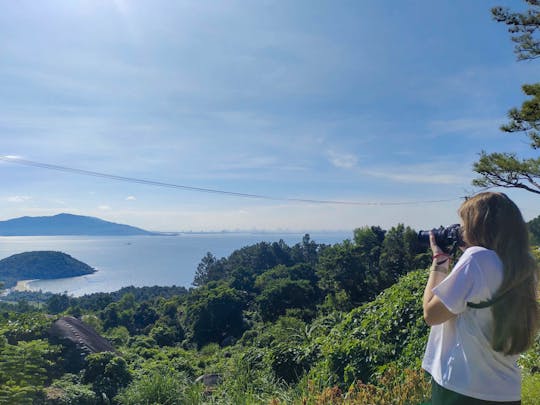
[(507, 169)]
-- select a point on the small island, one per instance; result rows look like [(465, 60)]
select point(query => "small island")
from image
[(40, 265)]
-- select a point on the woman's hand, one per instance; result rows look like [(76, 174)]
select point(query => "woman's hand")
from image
[(441, 260), (433, 244), (435, 312)]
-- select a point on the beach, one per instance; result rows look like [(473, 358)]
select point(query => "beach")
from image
[(22, 285)]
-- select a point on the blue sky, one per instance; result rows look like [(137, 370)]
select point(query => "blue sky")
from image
[(371, 102)]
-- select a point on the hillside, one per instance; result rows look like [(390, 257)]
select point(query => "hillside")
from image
[(66, 224), (40, 265), (270, 323)]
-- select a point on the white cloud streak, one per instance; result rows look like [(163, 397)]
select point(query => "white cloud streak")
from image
[(18, 198), (467, 126), (342, 160)]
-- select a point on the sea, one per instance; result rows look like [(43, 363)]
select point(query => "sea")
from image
[(139, 261)]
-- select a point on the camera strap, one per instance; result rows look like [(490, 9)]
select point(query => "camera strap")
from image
[(497, 298), (485, 304)]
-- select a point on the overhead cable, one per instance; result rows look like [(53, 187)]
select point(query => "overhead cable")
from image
[(20, 161)]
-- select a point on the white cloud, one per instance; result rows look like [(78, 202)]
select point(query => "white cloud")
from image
[(18, 198), (131, 198), (418, 177), (244, 162), (342, 160), (104, 207), (446, 171), (471, 126)]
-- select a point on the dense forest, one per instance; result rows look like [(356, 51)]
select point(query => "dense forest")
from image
[(269, 324)]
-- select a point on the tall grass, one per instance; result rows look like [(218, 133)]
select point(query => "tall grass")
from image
[(163, 386), (392, 387)]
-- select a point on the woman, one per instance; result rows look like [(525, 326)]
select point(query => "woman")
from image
[(484, 312)]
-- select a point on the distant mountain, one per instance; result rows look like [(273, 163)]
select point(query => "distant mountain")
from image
[(40, 265), (66, 224)]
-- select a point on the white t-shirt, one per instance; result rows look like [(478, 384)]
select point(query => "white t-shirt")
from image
[(459, 355)]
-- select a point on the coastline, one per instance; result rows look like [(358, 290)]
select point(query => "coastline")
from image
[(23, 285), (147, 261)]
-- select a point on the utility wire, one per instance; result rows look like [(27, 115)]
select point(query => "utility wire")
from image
[(17, 160)]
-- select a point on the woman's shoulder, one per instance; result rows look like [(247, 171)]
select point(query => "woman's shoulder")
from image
[(478, 250), (482, 255)]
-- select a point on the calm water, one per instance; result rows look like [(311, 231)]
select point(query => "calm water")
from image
[(141, 260)]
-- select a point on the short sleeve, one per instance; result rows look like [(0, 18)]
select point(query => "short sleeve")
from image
[(462, 285)]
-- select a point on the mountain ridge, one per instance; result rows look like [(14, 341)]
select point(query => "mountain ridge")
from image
[(67, 224)]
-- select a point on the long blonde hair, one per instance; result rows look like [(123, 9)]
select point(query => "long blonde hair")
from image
[(493, 221)]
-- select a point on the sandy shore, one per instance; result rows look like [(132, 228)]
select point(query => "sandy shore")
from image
[(23, 285)]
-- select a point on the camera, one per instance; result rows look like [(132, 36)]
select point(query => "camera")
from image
[(448, 237)]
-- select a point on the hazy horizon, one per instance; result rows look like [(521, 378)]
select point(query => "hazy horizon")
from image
[(237, 230)]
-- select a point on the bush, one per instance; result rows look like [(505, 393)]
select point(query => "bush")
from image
[(214, 312), (118, 336), (69, 391), (29, 326), (165, 335), (107, 373), (392, 387), (24, 370), (388, 329), (279, 295), (530, 360), (93, 321), (289, 363), (530, 389), (248, 382), (161, 386)]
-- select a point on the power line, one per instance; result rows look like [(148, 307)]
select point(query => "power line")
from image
[(17, 160)]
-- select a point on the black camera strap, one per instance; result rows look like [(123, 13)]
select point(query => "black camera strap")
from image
[(485, 304), (497, 298)]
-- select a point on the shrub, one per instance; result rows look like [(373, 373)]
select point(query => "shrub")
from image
[(530, 389), (165, 335), (279, 295), (392, 387), (530, 360), (68, 390), (119, 335), (93, 321), (161, 386), (214, 312), (27, 326), (389, 329), (24, 369), (107, 373)]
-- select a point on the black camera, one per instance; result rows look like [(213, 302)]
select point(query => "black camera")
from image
[(449, 237)]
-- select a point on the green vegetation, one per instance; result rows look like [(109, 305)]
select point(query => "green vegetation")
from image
[(534, 229), (270, 324)]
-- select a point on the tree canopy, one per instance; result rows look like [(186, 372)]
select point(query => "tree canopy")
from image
[(534, 229), (507, 169), (523, 27)]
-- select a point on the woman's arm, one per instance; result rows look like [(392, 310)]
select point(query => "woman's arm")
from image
[(435, 312)]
